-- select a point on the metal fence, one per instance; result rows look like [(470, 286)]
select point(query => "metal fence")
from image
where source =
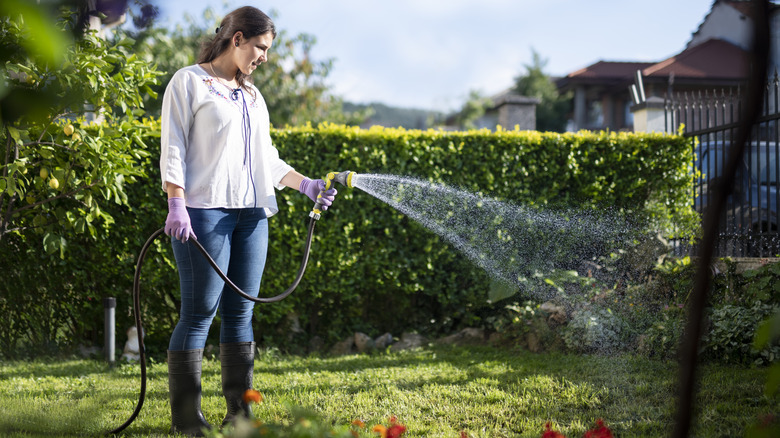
[(749, 224)]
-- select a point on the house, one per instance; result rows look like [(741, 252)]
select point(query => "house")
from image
[(601, 97), (715, 58)]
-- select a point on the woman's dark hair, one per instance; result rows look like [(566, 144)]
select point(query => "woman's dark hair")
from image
[(248, 20)]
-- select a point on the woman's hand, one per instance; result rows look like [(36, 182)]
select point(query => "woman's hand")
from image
[(313, 188), (178, 224)]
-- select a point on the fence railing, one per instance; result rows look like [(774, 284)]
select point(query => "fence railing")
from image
[(749, 224)]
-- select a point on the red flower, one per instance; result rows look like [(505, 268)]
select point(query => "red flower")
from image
[(250, 395), (396, 430), (549, 433), (600, 431)]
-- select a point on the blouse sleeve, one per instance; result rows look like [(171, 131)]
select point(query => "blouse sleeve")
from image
[(175, 120), (279, 168)]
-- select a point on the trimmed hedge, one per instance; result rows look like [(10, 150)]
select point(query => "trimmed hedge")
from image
[(372, 269)]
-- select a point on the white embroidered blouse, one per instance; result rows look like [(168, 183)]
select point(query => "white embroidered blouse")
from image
[(203, 147)]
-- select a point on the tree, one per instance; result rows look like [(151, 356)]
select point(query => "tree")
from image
[(73, 150), (472, 110), (551, 113), (75, 146)]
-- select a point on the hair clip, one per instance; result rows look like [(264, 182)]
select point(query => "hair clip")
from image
[(217, 30)]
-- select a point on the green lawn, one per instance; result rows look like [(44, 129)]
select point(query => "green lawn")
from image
[(435, 392)]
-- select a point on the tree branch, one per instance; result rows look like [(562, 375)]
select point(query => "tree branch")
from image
[(5, 173), (697, 300), (10, 230), (6, 219), (53, 119), (48, 143), (7, 153), (54, 198)]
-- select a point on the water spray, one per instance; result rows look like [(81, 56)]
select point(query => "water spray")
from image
[(344, 178), (516, 245)]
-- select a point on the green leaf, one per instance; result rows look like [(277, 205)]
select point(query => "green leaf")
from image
[(16, 135), (80, 225), (50, 243), (11, 188), (46, 153), (767, 332), (45, 39), (500, 290)]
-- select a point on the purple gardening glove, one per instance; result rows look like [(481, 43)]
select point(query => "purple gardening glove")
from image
[(313, 188), (178, 222)]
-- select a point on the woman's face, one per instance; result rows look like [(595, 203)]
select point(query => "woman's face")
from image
[(252, 51)]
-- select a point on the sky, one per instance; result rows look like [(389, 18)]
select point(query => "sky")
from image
[(430, 54)]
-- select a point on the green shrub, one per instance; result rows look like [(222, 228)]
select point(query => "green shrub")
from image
[(662, 338), (595, 330), (524, 325), (731, 333)]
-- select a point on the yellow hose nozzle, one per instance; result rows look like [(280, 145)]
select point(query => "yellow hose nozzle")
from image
[(344, 178)]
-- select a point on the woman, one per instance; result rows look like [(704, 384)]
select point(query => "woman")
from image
[(219, 169)]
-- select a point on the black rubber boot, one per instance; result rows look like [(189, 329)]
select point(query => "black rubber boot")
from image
[(184, 368), (238, 361)]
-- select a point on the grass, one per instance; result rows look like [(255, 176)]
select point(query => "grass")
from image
[(435, 392)]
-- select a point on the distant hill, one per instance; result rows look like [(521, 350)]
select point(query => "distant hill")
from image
[(392, 117)]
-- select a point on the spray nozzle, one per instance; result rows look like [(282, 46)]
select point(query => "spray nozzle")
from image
[(344, 178)]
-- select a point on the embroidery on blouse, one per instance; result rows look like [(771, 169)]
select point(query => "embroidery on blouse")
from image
[(209, 81)]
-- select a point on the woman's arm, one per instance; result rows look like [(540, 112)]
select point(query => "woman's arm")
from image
[(292, 180), (173, 190)]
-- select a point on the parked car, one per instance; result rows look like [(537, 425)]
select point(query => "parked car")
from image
[(750, 220)]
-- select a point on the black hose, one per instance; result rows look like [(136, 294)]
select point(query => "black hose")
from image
[(276, 298), (137, 303)]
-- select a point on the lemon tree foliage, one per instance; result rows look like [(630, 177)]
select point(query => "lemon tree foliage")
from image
[(71, 133)]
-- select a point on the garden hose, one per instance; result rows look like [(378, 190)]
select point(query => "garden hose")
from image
[(344, 178)]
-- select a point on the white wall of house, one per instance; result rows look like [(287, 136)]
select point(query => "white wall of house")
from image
[(725, 23), (728, 24)]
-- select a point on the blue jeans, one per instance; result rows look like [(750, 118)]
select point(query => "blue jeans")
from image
[(237, 240)]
